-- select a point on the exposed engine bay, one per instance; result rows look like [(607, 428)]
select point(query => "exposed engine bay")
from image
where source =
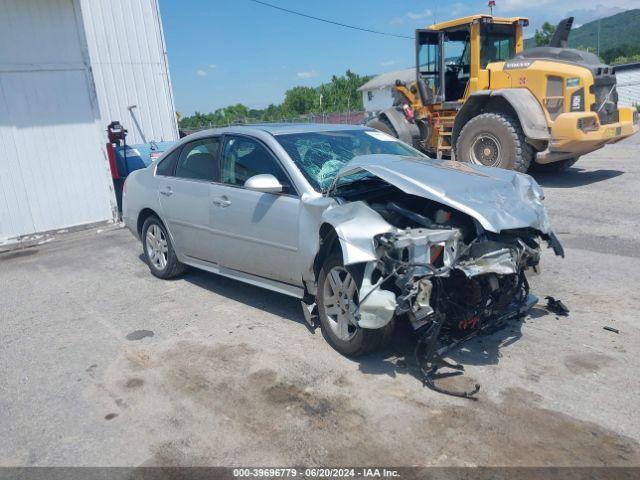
[(452, 277)]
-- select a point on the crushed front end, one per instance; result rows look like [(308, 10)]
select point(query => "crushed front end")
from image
[(451, 247), (450, 288)]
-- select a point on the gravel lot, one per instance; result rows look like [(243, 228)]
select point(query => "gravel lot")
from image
[(102, 364)]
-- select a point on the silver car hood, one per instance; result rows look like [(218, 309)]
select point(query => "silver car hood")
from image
[(498, 199)]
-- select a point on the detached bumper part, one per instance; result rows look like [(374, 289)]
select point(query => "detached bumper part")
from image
[(430, 358), (377, 306), (555, 244)]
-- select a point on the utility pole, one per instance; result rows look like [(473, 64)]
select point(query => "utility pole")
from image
[(598, 46)]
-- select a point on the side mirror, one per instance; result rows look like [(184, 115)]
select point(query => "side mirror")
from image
[(264, 183)]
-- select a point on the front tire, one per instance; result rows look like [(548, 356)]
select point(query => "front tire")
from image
[(494, 140), (158, 250), (337, 299)]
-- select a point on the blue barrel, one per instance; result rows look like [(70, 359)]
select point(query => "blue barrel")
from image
[(139, 156)]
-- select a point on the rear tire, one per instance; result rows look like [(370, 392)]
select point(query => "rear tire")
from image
[(354, 340), (494, 140), (383, 125), (158, 250), (555, 167)]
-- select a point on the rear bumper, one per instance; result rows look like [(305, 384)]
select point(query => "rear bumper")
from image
[(131, 225), (569, 141)]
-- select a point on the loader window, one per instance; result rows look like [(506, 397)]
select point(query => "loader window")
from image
[(428, 62), (498, 43), (457, 59)]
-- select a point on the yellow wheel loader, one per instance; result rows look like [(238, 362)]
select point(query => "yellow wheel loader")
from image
[(479, 97)]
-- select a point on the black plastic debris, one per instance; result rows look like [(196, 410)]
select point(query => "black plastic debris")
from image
[(611, 329), (557, 307)]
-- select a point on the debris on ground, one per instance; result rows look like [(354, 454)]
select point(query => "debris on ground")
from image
[(611, 329), (557, 307), (430, 357)]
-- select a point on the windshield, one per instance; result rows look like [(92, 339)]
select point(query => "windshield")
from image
[(497, 44), (319, 155)]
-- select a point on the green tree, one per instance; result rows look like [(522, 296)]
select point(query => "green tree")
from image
[(301, 100), (612, 55), (623, 60), (544, 35), (339, 95)]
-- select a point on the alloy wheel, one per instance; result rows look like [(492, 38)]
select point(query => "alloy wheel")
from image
[(157, 247), (340, 302)]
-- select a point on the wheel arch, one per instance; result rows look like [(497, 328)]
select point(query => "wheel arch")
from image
[(517, 102), (329, 243), (142, 217)]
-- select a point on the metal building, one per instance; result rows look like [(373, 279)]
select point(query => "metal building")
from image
[(67, 69), (628, 80), (377, 93)]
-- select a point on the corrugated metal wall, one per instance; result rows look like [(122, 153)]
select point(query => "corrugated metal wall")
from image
[(53, 170), (127, 51), (629, 87), (67, 69)]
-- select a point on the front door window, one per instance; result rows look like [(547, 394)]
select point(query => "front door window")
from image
[(242, 158)]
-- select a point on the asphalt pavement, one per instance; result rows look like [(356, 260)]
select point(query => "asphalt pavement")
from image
[(105, 365)]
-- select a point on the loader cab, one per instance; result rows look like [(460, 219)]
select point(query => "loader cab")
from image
[(452, 57)]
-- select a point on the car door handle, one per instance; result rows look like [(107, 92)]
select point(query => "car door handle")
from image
[(167, 192), (222, 201)]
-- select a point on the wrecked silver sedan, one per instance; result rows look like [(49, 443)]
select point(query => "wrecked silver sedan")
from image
[(359, 226)]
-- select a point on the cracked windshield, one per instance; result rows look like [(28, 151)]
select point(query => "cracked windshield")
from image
[(321, 154)]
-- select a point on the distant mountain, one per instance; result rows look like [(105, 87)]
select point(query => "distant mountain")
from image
[(619, 29)]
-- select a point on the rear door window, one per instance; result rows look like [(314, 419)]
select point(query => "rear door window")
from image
[(167, 165), (199, 160)]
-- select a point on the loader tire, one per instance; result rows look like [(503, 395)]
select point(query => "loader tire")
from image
[(555, 167), (494, 140), (384, 126)]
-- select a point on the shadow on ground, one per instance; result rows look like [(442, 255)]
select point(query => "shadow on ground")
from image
[(574, 177), (255, 297), (398, 357)]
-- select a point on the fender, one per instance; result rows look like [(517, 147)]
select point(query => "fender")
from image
[(406, 130), (356, 225), (525, 105)]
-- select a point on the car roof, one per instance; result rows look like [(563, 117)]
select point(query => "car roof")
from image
[(280, 128)]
